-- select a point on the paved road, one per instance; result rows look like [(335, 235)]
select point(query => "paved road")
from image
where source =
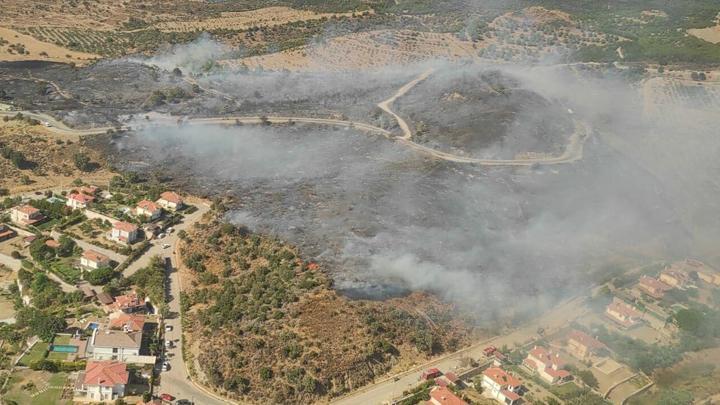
[(156, 247), (393, 386), (176, 381)]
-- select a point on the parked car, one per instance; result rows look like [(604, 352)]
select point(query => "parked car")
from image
[(162, 235), (165, 366), (170, 229), (168, 328), (169, 344), (166, 245), (167, 397)]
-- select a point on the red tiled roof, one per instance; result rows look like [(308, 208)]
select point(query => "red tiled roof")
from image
[(125, 226), (585, 340), (52, 243), (444, 396), (513, 396), (172, 197), (133, 322), (148, 205), (91, 190), (502, 377), (81, 198), (547, 357), (27, 209), (451, 376), (623, 308), (94, 256), (127, 301), (106, 373)]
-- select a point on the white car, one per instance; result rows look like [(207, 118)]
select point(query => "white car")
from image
[(166, 245), (165, 366), (168, 328), (162, 235), (168, 344)]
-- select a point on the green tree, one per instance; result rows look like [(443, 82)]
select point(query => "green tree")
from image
[(99, 276), (82, 161)]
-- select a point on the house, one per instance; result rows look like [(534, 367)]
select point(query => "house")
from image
[(6, 232), (127, 322), (170, 201), (709, 277), (128, 303), (149, 209), (79, 201), (675, 278), (91, 259), (501, 385), (108, 344), (25, 215), (88, 292), (446, 379), (653, 287), (622, 313), (443, 396), (102, 381), (547, 364), (582, 345), (124, 232)]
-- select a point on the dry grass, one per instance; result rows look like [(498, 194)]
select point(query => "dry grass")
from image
[(268, 17), (52, 153), (36, 49), (367, 50)]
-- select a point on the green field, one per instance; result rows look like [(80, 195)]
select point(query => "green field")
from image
[(36, 353), (19, 392)]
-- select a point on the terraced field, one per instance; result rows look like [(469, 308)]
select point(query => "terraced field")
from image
[(106, 43)]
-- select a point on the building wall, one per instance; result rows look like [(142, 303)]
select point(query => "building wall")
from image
[(107, 353)]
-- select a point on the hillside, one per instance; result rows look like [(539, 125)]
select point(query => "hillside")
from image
[(263, 323)]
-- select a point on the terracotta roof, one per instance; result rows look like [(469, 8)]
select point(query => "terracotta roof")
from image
[(585, 340), (444, 396), (513, 396), (130, 322), (125, 226), (106, 373), (623, 308), (27, 209), (129, 300), (547, 356), (148, 205), (91, 190), (52, 243), (501, 377), (654, 283), (171, 196), (94, 256), (81, 198)]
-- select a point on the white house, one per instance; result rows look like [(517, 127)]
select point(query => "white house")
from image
[(547, 364), (149, 209), (102, 381), (124, 232), (26, 215), (502, 386), (170, 201), (79, 201), (108, 344), (91, 259)]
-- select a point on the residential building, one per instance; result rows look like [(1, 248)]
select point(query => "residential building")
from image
[(709, 277), (443, 396), (25, 215), (6, 232), (128, 303), (108, 344), (502, 386), (92, 260), (170, 201), (675, 278), (124, 232), (149, 209), (653, 287), (126, 322), (547, 364), (622, 313), (89, 190), (79, 201), (105, 298), (582, 345), (102, 381)]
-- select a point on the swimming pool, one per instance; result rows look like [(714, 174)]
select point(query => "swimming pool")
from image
[(92, 325), (64, 348)]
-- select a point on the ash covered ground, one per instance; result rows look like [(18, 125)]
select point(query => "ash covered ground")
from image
[(386, 219)]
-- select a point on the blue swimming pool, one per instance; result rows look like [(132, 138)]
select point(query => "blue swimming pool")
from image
[(64, 348), (92, 325)]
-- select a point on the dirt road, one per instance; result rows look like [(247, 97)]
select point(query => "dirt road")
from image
[(385, 105)]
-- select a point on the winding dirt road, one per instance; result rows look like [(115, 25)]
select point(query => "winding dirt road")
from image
[(572, 153)]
